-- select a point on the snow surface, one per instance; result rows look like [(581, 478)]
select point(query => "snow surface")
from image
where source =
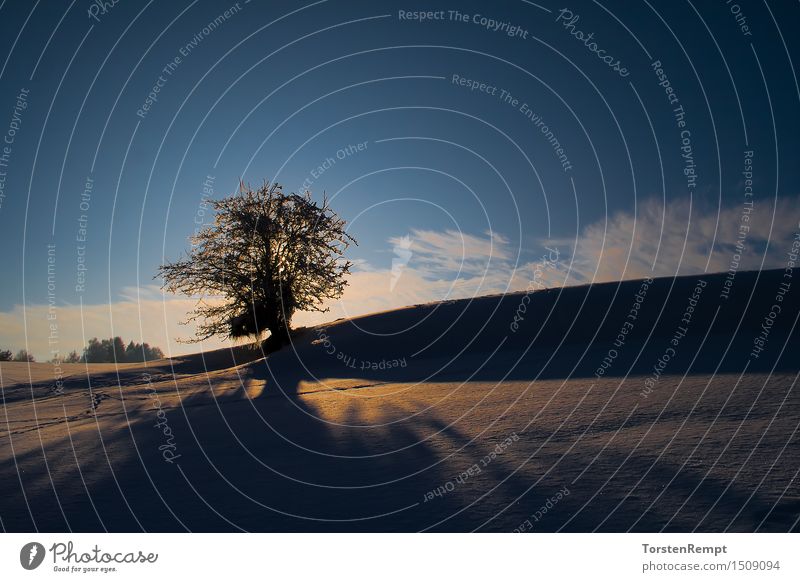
[(440, 417)]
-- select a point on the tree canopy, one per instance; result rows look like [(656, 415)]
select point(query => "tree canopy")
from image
[(266, 256)]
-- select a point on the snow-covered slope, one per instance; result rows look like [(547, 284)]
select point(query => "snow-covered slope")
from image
[(640, 405)]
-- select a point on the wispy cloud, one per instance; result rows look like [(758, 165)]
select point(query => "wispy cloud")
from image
[(453, 252), (681, 239)]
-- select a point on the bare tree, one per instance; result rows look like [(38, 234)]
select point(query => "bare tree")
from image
[(266, 256)]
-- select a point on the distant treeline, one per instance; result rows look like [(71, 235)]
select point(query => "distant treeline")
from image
[(21, 356), (115, 350), (98, 351)]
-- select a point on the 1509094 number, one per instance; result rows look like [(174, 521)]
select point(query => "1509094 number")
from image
[(757, 565)]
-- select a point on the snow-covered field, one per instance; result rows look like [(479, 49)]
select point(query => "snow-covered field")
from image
[(448, 416)]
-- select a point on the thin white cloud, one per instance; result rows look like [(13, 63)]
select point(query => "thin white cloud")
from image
[(449, 252), (679, 239)]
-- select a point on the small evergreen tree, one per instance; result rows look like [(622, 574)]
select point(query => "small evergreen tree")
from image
[(153, 353), (117, 350), (94, 352)]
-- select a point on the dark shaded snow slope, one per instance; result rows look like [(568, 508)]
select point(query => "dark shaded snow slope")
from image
[(436, 417)]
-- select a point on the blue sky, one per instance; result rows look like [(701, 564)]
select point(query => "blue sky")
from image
[(274, 89)]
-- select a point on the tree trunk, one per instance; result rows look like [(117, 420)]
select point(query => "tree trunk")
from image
[(280, 328)]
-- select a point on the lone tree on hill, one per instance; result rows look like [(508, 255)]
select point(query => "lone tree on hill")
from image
[(266, 255)]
